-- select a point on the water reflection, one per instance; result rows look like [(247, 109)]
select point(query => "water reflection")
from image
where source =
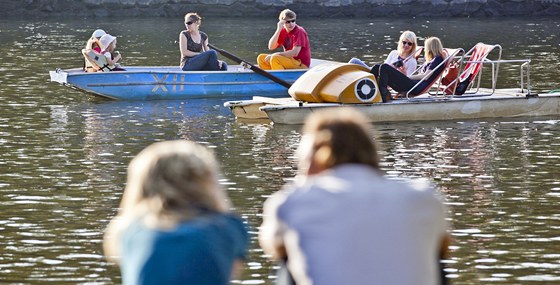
[(63, 156)]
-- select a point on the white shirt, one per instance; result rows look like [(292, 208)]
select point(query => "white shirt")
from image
[(351, 226), (410, 64)]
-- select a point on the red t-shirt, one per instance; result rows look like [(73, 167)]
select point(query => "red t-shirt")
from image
[(296, 37)]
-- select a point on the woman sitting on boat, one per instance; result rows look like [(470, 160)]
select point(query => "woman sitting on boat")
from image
[(193, 43), (387, 75), (402, 58)]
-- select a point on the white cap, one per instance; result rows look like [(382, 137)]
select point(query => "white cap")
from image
[(98, 33), (106, 40)]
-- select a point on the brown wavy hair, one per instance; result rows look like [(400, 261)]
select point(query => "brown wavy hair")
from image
[(340, 136)]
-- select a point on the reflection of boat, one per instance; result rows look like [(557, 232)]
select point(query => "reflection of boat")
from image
[(477, 103), (157, 83)]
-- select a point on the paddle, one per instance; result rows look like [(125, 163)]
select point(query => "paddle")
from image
[(253, 67)]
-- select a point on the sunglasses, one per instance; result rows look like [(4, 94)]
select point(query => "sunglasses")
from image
[(407, 43), (290, 21), (189, 23)]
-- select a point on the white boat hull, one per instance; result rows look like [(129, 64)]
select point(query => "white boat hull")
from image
[(250, 109), (505, 103)]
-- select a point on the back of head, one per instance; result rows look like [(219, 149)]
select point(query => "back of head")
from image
[(432, 48), (334, 137), (98, 33), (173, 179), (287, 14)]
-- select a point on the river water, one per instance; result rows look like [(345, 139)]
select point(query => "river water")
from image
[(63, 155)]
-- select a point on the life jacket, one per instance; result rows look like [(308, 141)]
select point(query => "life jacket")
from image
[(89, 66), (97, 60)]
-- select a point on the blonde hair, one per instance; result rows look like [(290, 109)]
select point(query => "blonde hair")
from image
[(432, 48), (339, 136), (168, 182), (410, 37), (287, 14), (193, 16)]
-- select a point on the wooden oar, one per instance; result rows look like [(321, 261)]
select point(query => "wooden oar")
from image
[(253, 67)]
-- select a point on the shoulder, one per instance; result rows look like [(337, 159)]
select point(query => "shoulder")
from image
[(393, 54), (203, 35), (299, 30)]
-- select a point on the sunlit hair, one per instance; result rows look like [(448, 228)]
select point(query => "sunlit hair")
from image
[(287, 14), (339, 136), (193, 17), (432, 48), (408, 36), (168, 182)]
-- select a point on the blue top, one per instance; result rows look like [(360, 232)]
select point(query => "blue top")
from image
[(199, 251), (433, 64)]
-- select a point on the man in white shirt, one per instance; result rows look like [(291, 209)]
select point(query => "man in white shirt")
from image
[(342, 222)]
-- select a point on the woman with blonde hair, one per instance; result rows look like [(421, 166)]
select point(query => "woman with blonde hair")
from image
[(403, 57), (386, 75), (342, 222), (173, 226)]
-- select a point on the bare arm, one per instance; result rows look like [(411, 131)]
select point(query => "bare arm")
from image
[(271, 230), (114, 61), (237, 269), (444, 246), (273, 41), (205, 45)]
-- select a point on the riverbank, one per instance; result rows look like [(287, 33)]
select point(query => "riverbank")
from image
[(271, 8)]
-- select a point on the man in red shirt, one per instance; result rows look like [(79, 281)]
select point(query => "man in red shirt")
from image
[(294, 40)]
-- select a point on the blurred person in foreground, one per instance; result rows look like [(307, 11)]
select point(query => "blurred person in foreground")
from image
[(174, 225), (343, 222)]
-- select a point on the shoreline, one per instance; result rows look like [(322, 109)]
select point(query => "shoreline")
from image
[(38, 9)]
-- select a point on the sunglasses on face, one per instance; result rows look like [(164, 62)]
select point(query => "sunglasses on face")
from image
[(189, 23), (290, 21), (407, 43)]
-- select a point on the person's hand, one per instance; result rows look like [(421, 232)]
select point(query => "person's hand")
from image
[(280, 24), (220, 64), (117, 56), (267, 58)]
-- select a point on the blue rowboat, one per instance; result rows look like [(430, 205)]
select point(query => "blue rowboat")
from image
[(170, 82)]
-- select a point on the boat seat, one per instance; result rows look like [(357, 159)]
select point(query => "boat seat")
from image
[(477, 56)]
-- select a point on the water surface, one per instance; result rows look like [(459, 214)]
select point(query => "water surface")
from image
[(63, 155)]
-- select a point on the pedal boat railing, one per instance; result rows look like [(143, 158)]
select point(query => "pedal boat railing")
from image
[(524, 78)]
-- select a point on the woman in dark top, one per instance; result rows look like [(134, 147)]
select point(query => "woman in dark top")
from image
[(388, 76), (195, 54)]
